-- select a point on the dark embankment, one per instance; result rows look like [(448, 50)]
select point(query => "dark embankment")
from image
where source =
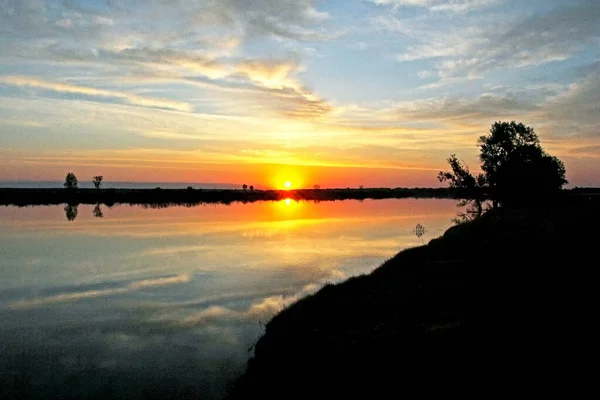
[(164, 197), (500, 304)]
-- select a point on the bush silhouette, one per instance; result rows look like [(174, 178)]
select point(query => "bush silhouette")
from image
[(70, 181), (97, 181)]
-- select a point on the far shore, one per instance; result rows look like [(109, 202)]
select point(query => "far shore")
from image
[(164, 197), (191, 196)]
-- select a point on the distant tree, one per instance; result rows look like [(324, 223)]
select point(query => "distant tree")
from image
[(71, 212), (245, 187), (97, 181), (515, 168), (70, 181), (251, 188), (361, 187), (317, 187)]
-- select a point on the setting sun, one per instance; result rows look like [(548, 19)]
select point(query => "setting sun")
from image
[(288, 185)]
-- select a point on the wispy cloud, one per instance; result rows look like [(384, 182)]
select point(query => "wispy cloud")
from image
[(94, 92), (440, 5), (88, 294)]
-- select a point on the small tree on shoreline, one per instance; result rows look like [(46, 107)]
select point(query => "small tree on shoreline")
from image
[(97, 181), (70, 181)]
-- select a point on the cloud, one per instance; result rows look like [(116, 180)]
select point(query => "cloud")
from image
[(439, 5), (469, 48), (59, 87), (577, 109), (88, 294), (485, 107)]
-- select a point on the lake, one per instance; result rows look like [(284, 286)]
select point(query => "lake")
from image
[(134, 302)]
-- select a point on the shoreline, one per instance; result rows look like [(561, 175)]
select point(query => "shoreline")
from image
[(190, 196), (475, 307), (164, 197)]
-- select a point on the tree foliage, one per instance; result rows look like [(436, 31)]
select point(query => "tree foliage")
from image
[(97, 181), (245, 187), (470, 188), (514, 167), (70, 181)]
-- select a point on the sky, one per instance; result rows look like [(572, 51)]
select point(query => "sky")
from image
[(337, 93)]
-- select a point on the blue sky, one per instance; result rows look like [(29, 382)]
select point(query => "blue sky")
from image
[(328, 92)]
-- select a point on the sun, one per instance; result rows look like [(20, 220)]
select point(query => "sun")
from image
[(288, 184)]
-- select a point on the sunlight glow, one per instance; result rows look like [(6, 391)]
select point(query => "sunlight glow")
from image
[(288, 202), (288, 184)]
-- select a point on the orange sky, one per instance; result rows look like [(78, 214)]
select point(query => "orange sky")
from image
[(379, 93)]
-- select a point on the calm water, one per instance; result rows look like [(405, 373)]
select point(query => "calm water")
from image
[(155, 302)]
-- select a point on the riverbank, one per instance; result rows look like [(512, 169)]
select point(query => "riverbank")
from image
[(499, 304), (191, 196)]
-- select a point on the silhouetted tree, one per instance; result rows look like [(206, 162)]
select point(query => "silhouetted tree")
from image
[(70, 181), (97, 181), (98, 211), (251, 188), (317, 187), (515, 168), (245, 187), (71, 212)]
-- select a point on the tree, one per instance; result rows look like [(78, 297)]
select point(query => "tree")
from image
[(70, 181), (97, 181), (245, 187), (515, 168), (251, 188), (515, 165), (469, 188), (317, 187)]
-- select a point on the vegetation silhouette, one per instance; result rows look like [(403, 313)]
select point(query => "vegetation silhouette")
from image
[(165, 197), (70, 181), (71, 212), (515, 169), (97, 181)]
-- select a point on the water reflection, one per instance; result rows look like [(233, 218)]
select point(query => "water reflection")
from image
[(419, 231), (167, 302), (98, 211), (71, 212)]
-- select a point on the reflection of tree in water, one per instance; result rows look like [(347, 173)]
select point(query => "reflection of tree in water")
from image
[(98, 211), (419, 231), (71, 211)]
